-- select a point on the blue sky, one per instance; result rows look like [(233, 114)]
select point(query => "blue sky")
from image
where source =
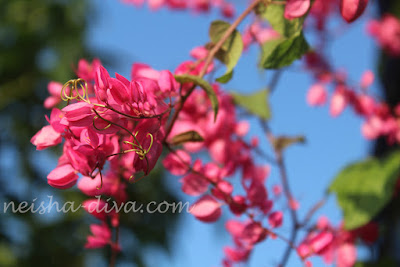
[(163, 39)]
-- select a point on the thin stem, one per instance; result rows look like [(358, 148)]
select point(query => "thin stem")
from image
[(275, 79), (209, 59), (288, 193), (177, 111), (226, 35), (313, 210), (115, 124), (228, 200), (114, 250), (293, 213)]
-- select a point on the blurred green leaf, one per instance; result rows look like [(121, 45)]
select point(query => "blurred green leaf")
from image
[(190, 136), (282, 142), (256, 103), (282, 52), (230, 51), (7, 258), (364, 188), (275, 16), (381, 263)]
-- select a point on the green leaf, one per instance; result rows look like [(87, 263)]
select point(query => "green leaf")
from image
[(381, 263), (230, 51), (190, 136), (256, 103), (364, 188), (287, 28), (282, 52), (282, 142), (226, 77), (186, 78)]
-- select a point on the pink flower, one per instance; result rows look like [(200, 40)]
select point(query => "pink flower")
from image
[(199, 52), (323, 223), (78, 160), (372, 128), (54, 99), (144, 71), (275, 219), (346, 255), (387, 33), (100, 238), (296, 8), (177, 163), (317, 95), (79, 114), (119, 91), (338, 102), (237, 254), (277, 189), (238, 205), (228, 10), (62, 177), (256, 193), (352, 9), (55, 120), (242, 128), (101, 210), (333, 244), (167, 82), (101, 83), (134, 2), (156, 4), (235, 228), (293, 204), (315, 244), (86, 70), (364, 105), (112, 186), (321, 10), (46, 137), (253, 233), (367, 79), (222, 190), (195, 184), (206, 209), (149, 136)]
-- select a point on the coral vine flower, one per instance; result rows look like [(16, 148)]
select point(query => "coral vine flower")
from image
[(339, 101), (317, 95), (198, 6), (101, 237), (352, 9), (54, 99), (62, 177), (387, 33), (206, 209), (46, 137), (296, 8), (335, 244)]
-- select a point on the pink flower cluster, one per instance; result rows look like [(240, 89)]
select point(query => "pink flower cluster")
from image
[(258, 33), (380, 120), (386, 31), (321, 11), (230, 153), (336, 244), (111, 129), (198, 6), (349, 9)]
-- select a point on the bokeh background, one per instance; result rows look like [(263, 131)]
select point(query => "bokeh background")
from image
[(41, 40)]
